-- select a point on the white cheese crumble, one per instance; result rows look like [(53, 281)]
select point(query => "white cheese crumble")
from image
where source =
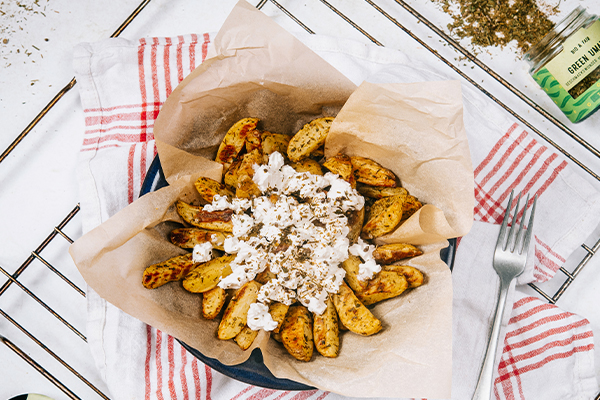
[(369, 267), (297, 228), (202, 252)]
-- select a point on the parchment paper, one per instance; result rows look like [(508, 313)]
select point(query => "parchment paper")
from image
[(257, 69)]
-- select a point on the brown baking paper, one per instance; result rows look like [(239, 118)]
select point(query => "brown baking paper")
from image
[(258, 69)]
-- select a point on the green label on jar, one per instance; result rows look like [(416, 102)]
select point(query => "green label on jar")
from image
[(575, 109)]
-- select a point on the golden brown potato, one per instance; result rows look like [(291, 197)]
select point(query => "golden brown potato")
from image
[(384, 219), (265, 276), (276, 336), (230, 178), (410, 206), (412, 275), (278, 312), (297, 333), (254, 140), (390, 253), (371, 173), (384, 285), (376, 192), (236, 314), (340, 164), (211, 220), (353, 314), (326, 331), (272, 142), (356, 219), (245, 338), (208, 188), (234, 141), (170, 270), (309, 138), (187, 238), (318, 154), (248, 161), (351, 277), (307, 165), (246, 188), (213, 301), (208, 275)]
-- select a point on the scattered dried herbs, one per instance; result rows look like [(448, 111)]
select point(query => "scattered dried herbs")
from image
[(585, 83), (499, 22)]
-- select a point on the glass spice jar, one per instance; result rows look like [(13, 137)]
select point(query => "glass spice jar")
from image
[(566, 64)]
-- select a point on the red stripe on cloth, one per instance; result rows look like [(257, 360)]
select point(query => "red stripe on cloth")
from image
[(143, 159), (142, 83), (535, 310), (155, 87), (117, 107), (539, 364), (500, 163), (545, 261), (130, 173), (304, 395), (482, 198), (196, 375), (109, 119), (192, 52), (545, 321), (261, 394), (247, 389), (167, 66), (551, 179), (182, 376), (507, 387), (545, 347), (180, 59), (148, 383), (158, 360), (205, 46), (548, 249), (123, 137), (281, 395), (171, 360), (325, 394), (209, 377), (494, 150), (523, 301)]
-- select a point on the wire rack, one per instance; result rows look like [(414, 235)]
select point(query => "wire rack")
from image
[(58, 232)]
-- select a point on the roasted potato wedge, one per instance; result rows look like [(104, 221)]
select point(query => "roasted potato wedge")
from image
[(187, 238), (351, 277), (384, 285), (245, 338), (318, 154), (371, 173), (309, 138), (173, 269), (383, 220), (413, 276), (213, 301), (278, 312), (390, 253), (236, 314), (248, 161), (230, 178), (234, 141), (254, 140), (246, 188), (356, 220), (353, 314), (208, 275), (272, 142), (340, 164), (410, 206), (211, 220), (208, 188), (380, 192), (326, 331), (307, 165), (265, 276), (297, 333)]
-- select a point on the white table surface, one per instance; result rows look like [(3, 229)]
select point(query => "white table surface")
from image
[(37, 180)]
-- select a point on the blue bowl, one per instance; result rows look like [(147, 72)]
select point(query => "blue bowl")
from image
[(253, 371)]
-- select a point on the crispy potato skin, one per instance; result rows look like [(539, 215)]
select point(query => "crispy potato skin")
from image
[(236, 314), (307, 165), (353, 314), (385, 285), (187, 238), (213, 301), (230, 177), (309, 138), (383, 222), (234, 140), (326, 331), (356, 220), (410, 206), (297, 333), (212, 220), (272, 142), (340, 164), (265, 276), (208, 275), (170, 270), (351, 266), (380, 192), (278, 312), (413, 276), (208, 188), (390, 253), (371, 173), (245, 338), (253, 140)]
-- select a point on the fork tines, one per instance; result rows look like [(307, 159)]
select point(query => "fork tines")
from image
[(517, 243)]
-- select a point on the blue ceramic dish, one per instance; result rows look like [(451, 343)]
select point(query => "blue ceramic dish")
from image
[(253, 370)]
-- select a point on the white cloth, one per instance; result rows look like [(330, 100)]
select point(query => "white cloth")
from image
[(547, 354)]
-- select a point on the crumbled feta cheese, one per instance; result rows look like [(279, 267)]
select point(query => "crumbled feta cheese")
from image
[(259, 318), (369, 267), (202, 252)]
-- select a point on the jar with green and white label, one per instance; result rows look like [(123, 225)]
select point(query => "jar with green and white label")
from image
[(566, 64)]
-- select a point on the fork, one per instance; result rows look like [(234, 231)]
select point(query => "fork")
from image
[(509, 261)]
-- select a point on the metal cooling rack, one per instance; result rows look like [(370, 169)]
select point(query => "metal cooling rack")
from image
[(58, 233)]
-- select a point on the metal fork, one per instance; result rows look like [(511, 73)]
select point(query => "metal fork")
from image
[(510, 257)]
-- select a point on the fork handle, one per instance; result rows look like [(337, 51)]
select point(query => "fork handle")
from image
[(485, 383)]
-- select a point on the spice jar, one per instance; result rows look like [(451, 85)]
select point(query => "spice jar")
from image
[(566, 64)]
